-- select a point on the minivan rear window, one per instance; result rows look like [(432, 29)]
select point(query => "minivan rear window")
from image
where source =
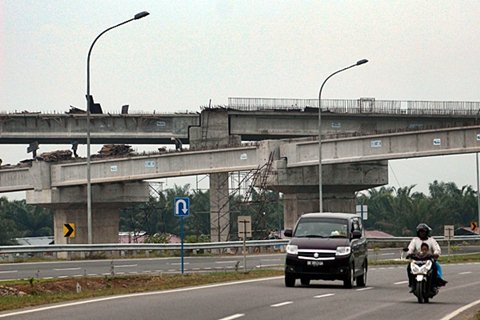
[(321, 228)]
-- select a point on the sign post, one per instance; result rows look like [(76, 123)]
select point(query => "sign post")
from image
[(182, 209), (244, 231), (448, 234)]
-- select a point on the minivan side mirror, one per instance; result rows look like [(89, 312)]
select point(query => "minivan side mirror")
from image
[(288, 233), (356, 234)]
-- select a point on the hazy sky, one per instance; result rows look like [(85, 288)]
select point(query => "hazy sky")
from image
[(188, 52)]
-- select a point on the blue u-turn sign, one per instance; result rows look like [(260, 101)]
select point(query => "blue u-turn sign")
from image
[(182, 206)]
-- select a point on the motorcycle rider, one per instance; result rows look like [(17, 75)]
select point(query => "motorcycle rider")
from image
[(423, 236)]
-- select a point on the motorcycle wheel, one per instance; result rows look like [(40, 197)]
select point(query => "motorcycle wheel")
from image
[(421, 291)]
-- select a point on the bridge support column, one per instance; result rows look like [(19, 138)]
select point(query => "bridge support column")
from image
[(214, 133), (105, 224), (69, 206), (340, 184), (219, 207), (296, 204)]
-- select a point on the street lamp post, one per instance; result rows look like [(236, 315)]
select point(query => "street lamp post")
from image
[(89, 106), (320, 194)]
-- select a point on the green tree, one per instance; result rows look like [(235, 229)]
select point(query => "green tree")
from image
[(8, 229), (31, 221), (399, 211)]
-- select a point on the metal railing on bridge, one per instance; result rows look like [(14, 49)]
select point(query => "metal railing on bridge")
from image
[(362, 105)]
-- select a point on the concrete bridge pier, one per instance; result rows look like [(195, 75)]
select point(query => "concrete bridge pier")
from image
[(340, 184), (213, 132), (69, 206), (219, 207)]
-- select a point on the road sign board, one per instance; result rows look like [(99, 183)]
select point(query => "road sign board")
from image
[(473, 226), (69, 230), (448, 232), (244, 227), (182, 206)]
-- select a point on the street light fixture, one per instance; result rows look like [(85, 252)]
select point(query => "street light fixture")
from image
[(89, 106), (320, 194)]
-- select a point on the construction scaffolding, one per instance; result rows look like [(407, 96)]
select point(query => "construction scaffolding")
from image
[(245, 188)]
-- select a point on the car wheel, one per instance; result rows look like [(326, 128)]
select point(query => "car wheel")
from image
[(289, 280), (348, 281), (305, 281), (362, 279)]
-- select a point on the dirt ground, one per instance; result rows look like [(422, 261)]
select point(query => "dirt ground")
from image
[(76, 285)]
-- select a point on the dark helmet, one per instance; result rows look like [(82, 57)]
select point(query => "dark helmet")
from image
[(424, 227)]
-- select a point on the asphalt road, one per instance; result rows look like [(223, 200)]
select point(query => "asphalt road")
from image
[(80, 268), (386, 296)]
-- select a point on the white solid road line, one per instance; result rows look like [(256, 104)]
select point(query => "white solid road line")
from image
[(226, 261), (281, 304), (234, 316), (460, 310)]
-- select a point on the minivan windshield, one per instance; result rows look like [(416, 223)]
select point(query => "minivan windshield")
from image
[(321, 228)]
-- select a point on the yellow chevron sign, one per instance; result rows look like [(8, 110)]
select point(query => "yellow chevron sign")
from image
[(473, 225), (69, 230)]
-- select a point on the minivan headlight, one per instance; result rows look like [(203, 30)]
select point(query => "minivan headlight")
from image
[(343, 251), (292, 249)]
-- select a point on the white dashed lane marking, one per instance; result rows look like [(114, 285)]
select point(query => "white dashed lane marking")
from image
[(363, 289), (324, 295), (234, 316), (67, 269), (281, 304)]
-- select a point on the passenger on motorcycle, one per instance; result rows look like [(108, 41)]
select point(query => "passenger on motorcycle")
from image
[(424, 252), (415, 246)]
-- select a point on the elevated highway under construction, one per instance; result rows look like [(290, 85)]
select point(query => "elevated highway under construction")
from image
[(350, 164), (358, 139)]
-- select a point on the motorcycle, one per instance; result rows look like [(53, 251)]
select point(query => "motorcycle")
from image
[(422, 270)]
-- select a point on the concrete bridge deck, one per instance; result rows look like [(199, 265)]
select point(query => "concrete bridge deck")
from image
[(250, 119), (298, 153)]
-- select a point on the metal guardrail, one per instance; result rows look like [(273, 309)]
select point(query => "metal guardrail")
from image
[(137, 246), (362, 105), (187, 246)]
